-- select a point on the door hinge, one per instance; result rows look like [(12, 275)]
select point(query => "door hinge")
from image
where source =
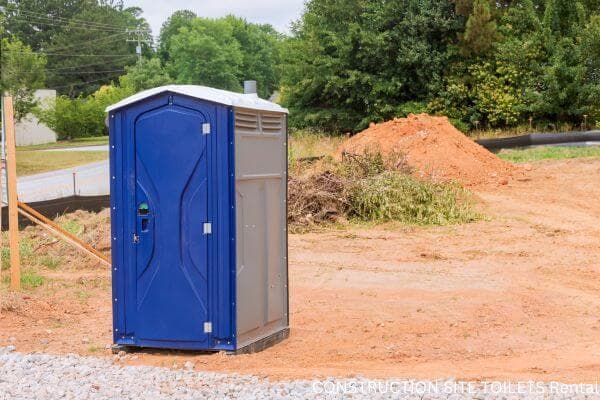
[(207, 228), (208, 327), (136, 238), (205, 129)]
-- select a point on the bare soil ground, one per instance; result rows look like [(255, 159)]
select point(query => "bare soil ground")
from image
[(513, 297)]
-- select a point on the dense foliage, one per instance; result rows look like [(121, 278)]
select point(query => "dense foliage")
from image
[(351, 62), (347, 63), (85, 116), (486, 63), (85, 49), (85, 42), (230, 51)]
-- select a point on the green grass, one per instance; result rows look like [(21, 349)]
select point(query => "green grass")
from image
[(34, 162), (29, 280), (51, 262), (80, 142), (25, 250), (548, 153), (72, 226), (522, 130), (303, 144)]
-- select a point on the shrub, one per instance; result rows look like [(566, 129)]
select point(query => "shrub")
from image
[(81, 117), (395, 196)]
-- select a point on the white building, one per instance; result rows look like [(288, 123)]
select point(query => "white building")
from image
[(29, 130)]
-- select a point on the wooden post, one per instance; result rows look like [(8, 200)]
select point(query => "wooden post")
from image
[(1, 176), (13, 208)]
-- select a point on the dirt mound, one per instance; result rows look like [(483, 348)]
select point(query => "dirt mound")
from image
[(434, 149)]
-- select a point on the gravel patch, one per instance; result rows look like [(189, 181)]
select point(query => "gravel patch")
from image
[(45, 377)]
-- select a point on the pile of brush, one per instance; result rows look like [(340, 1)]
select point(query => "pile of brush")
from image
[(371, 187)]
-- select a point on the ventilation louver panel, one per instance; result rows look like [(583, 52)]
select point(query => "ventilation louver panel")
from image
[(271, 123), (246, 122)]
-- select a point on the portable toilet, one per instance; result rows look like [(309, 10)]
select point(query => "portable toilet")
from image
[(199, 224)]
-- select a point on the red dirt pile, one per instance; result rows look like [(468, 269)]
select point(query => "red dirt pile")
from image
[(434, 149)]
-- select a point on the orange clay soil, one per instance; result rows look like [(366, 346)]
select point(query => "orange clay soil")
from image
[(434, 148), (514, 297)]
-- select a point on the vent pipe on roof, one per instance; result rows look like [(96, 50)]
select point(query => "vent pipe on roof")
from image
[(250, 87)]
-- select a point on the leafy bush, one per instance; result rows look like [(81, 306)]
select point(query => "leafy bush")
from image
[(393, 196), (81, 117), (85, 116)]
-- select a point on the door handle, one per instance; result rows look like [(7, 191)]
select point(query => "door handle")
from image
[(143, 216)]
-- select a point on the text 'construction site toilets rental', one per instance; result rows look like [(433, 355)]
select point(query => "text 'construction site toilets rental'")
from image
[(199, 226)]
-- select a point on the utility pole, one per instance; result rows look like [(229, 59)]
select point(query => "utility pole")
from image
[(139, 38)]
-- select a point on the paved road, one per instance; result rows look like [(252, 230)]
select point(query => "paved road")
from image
[(102, 147), (90, 180)]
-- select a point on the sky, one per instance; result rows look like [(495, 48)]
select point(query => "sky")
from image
[(279, 13)]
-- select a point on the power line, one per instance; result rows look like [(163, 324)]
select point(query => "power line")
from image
[(72, 27), (139, 39), (69, 55), (92, 64), (87, 72), (64, 22), (102, 39), (68, 20)]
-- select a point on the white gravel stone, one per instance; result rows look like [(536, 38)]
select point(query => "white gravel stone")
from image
[(48, 377)]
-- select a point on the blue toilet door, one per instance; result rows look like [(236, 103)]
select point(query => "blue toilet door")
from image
[(172, 164)]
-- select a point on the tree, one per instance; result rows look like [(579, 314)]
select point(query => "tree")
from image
[(351, 62), (36, 22), (22, 73), (259, 45), (564, 18), (226, 51), (146, 74), (81, 60), (171, 28), (589, 49), (480, 30), (206, 53)]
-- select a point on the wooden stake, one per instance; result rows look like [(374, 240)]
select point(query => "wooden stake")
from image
[(1, 185), (13, 213)]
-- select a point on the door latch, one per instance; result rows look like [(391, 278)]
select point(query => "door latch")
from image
[(136, 238)]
